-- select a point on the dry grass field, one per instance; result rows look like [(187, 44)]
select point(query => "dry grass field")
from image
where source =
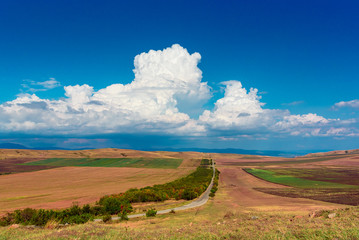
[(238, 211), (59, 187), (218, 219), (41, 187)]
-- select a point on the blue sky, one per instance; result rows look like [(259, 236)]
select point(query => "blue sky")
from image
[(67, 80)]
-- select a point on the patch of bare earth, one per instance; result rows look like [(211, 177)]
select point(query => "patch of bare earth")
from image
[(60, 187)]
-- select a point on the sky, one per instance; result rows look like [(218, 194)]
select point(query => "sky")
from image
[(264, 75)]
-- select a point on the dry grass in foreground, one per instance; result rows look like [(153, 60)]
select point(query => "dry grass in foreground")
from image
[(208, 222)]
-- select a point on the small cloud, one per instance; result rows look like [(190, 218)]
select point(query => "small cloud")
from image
[(49, 84), (33, 86), (295, 103), (352, 104)]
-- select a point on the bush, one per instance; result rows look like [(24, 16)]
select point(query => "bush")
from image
[(42, 217), (151, 212), (7, 219), (189, 194), (78, 219), (112, 205), (106, 218), (24, 216), (123, 217), (188, 188), (86, 208)]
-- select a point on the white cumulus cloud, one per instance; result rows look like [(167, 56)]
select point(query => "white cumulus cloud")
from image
[(166, 97), (239, 110), (163, 81), (353, 104)]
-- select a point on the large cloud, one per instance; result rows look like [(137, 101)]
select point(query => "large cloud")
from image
[(239, 110), (163, 81), (165, 97), (241, 114)]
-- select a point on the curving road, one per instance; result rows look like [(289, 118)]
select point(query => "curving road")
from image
[(195, 203)]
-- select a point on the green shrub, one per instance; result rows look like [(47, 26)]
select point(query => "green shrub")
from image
[(123, 217), (151, 212), (78, 219), (24, 216), (97, 210), (7, 219), (75, 209), (106, 218), (188, 188), (86, 208), (42, 217), (189, 194), (112, 205)]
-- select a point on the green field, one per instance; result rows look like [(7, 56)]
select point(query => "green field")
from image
[(292, 181), (165, 163), (329, 185)]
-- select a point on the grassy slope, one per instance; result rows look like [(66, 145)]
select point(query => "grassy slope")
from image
[(291, 181), (336, 175), (166, 163)]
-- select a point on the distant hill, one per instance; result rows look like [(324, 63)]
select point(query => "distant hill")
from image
[(273, 153), (231, 150), (12, 146), (331, 153)]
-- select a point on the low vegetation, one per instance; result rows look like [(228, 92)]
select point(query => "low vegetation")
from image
[(206, 163), (151, 212), (215, 184), (329, 185), (349, 176), (165, 163), (289, 180), (187, 188), (72, 215)]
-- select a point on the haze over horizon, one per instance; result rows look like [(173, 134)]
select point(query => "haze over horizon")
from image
[(234, 74)]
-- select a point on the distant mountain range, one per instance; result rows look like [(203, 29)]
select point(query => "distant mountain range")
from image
[(206, 150), (12, 146), (19, 146)]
